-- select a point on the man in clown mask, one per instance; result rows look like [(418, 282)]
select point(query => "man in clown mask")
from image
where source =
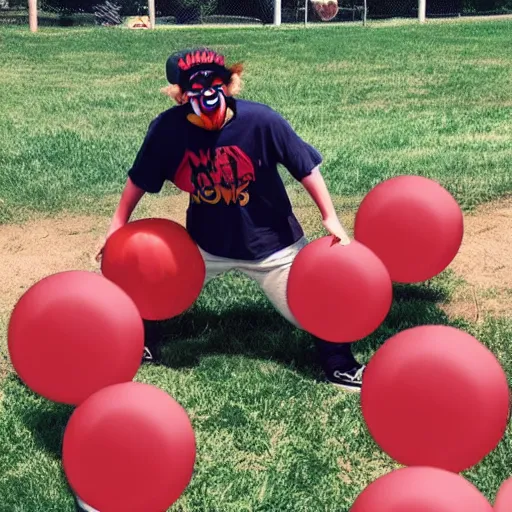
[(224, 152), (208, 100), (200, 78)]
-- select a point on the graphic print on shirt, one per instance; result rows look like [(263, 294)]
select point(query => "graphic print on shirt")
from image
[(212, 176)]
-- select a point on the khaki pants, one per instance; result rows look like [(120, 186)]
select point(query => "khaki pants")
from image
[(270, 273)]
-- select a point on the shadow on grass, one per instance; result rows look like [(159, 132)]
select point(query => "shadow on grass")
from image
[(260, 332), (255, 331), (44, 420)]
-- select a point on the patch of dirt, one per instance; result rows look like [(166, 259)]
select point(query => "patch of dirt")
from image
[(485, 263), (484, 260), (39, 248)]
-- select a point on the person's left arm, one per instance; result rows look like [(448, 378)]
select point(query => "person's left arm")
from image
[(303, 162), (315, 186)]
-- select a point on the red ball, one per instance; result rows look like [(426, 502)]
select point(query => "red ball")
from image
[(503, 501), (74, 333), (421, 489), (158, 264), (413, 224), (129, 447), (425, 392), (339, 293)]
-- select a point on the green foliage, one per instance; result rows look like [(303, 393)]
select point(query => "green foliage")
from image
[(487, 5)]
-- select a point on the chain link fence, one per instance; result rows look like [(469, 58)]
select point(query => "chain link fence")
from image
[(128, 12), (314, 11), (187, 12), (134, 13), (437, 8)]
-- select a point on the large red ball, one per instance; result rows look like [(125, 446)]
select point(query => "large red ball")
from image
[(339, 293), (158, 264), (503, 501), (421, 489), (74, 333), (413, 224), (424, 396), (129, 447)]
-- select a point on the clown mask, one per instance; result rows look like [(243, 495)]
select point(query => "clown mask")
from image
[(207, 95)]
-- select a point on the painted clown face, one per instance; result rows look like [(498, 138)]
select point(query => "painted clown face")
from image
[(206, 94)]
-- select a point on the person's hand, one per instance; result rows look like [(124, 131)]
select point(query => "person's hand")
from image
[(101, 246), (334, 227), (99, 251)]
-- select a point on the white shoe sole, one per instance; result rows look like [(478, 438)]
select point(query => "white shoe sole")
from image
[(84, 506), (343, 386)]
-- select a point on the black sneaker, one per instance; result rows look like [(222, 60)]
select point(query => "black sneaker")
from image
[(351, 380), (152, 342)]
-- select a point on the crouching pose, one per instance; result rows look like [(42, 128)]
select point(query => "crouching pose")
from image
[(224, 152)]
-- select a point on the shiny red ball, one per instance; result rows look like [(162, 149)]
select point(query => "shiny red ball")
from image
[(156, 262), (129, 447), (339, 293), (72, 334), (421, 489), (425, 393), (503, 501), (413, 225)]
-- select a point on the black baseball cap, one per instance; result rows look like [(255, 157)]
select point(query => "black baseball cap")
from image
[(181, 65)]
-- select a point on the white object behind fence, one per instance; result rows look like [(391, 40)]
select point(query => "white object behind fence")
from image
[(151, 11), (277, 12), (32, 15), (422, 10)]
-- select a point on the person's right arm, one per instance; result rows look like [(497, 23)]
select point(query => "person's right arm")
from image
[(129, 200), (146, 175)]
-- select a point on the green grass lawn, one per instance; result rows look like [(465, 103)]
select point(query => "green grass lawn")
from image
[(430, 100)]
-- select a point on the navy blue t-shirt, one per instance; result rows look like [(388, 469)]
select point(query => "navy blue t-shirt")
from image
[(238, 206)]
